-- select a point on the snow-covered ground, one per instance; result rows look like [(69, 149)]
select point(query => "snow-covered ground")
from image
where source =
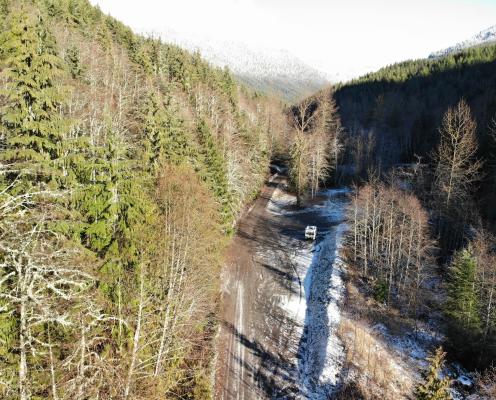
[(321, 327), (321, 350), (315, 306)]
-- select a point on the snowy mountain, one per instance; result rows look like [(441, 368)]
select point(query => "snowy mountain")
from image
[(272, 71), (484, 37)]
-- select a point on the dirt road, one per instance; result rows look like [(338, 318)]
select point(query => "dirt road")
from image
[(276, 327)]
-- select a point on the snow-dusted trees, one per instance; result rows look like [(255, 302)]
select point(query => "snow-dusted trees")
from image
[(390, 241)]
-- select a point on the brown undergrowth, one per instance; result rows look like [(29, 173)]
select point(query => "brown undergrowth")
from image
[(372, 369)]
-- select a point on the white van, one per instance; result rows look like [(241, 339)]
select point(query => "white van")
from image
[(311, 232)]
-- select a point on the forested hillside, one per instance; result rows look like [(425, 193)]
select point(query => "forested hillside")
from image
[(124, 163), (420, 140), (394, 114)]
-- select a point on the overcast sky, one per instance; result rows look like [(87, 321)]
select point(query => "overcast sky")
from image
[(335, 36)]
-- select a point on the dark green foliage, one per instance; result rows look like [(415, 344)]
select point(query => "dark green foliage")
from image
[(30, 119), (467, 338), (96, 199), (381, 291), (73, 62), (153, 130), (229, 86), (140, 54), (403, 104), (462, 298), (177, 147), (433, 386), (54, 8), (4, 10), (77, 12), (213, 170), (164, 133)]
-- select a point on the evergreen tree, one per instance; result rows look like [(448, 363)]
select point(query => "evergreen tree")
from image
[(229, 86), (104, 36), (177, 147), (462, 303), (213, 170), (73, 62), (93, 200), (30, 121), (113, 203), (433, 387), (4, 10), (462, 308), (77, 12), (165, 138), (142, 57), (54, 8)]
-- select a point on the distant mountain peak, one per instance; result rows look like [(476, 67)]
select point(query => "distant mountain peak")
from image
[(275, 71), (483, 37)]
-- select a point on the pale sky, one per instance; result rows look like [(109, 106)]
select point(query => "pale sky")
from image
[(335, 36)]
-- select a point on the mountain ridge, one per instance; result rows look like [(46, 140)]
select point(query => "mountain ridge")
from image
[(272, 71), (482, 38)]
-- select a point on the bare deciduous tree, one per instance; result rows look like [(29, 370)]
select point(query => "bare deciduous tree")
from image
[(40, 278), (456, 171), (390, 241), (316, 144), (456, 166)]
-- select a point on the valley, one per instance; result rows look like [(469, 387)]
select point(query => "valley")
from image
[(214, 220)]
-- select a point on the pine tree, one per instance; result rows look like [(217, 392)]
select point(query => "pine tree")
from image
[(433, 387), (165, 137), (177, 149), (30, 121), (77, 12), (73, 62), (104, 36), (93, 200), (213, 170), (4, 10), (153, 139), (462, 303), (142, 57)]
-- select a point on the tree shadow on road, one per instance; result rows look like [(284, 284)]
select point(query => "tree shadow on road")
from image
[(272, 374)]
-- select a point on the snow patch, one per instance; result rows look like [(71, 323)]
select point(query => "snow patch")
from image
[(295, 307), (465, 381), (321, 351), (281, 202)]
